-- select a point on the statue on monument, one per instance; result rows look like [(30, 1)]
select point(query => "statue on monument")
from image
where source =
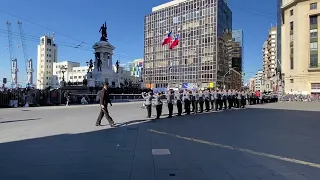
[(90, 65), (117, 66), (98, 61), (103, 31)]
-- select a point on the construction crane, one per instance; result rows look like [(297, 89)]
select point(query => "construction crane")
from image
[(13, 61), (28, 62)]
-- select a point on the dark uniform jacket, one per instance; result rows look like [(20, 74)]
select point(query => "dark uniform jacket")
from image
[(104, 97)]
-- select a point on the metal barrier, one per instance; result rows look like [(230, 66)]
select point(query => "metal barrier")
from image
[(20, 98), (300, 97)]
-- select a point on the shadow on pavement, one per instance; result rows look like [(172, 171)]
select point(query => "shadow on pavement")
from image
[(204, 146), (20, 120)]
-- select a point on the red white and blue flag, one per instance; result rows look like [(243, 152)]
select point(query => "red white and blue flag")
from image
[(167, 40), (175, 42)]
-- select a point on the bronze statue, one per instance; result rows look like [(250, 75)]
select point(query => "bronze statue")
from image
[(90, 65), (103, 31), (117, 66), (98, 61)]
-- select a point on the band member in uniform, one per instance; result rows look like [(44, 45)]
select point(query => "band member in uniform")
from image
[(234, 98), (158, 104), (243, 99), (201, 101), (179, 97), (187, 102), (104, 101), (220, 95), (216, 100), (170, 99), (224, 98), (148, 103), (193, 101), (239, 99), (229, 97), (196, 102), (212, 92), (207, 100)]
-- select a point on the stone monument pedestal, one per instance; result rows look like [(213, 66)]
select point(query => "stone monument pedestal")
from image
[(103, 71)]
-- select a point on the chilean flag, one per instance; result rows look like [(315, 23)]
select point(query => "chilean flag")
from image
[(175, 42), (168, 39)]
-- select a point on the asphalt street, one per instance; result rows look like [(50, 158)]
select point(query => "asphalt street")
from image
[(278, 141)]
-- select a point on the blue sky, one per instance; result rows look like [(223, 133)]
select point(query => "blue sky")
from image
[(74, 22)]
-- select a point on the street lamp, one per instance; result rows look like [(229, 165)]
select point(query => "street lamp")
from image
[(63, 69)]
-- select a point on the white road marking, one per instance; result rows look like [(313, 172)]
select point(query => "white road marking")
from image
[(240, 149)]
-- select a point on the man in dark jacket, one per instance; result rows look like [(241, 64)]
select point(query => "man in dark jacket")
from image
[(104, 101)]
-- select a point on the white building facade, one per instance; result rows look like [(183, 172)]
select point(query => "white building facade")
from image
[(47, 55), (259, 81), (269, 60), (73, 72)]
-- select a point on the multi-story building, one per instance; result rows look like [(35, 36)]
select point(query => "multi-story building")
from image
[(47, 55), (73, 72), (299, 46), (259, 84), (200, 58), (279, 22), (269, 61), (252, 84), (137, 68)]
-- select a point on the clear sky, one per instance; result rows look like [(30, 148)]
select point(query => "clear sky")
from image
[(75, 21)]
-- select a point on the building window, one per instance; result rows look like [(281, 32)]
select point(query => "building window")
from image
[(291, 81), (291, 63), (313, 6), (314, 61), (291, 25), (291, 12), (314, 46), (313, 33), (313, 20)]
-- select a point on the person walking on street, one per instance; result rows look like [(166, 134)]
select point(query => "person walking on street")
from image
[(104, 101)]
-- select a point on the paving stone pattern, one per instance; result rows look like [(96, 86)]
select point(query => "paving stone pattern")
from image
[(62, 143)]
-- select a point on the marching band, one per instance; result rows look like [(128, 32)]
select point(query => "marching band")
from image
[(197, 101)]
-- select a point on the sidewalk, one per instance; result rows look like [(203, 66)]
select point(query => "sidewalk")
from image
[(65, 144)]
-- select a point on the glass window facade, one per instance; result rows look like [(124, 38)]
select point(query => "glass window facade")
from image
[(204, 27)]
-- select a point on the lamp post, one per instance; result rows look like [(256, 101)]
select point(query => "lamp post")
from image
[(63, 69)]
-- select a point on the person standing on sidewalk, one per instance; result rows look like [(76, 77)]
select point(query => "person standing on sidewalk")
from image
[(148, 102), (170, 99), (179, 97), (104, 101), (158, 104)]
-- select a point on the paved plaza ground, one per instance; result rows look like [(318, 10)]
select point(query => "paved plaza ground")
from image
[(267, 142)]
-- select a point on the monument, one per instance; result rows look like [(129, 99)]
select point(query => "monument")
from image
[(102, 71)]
